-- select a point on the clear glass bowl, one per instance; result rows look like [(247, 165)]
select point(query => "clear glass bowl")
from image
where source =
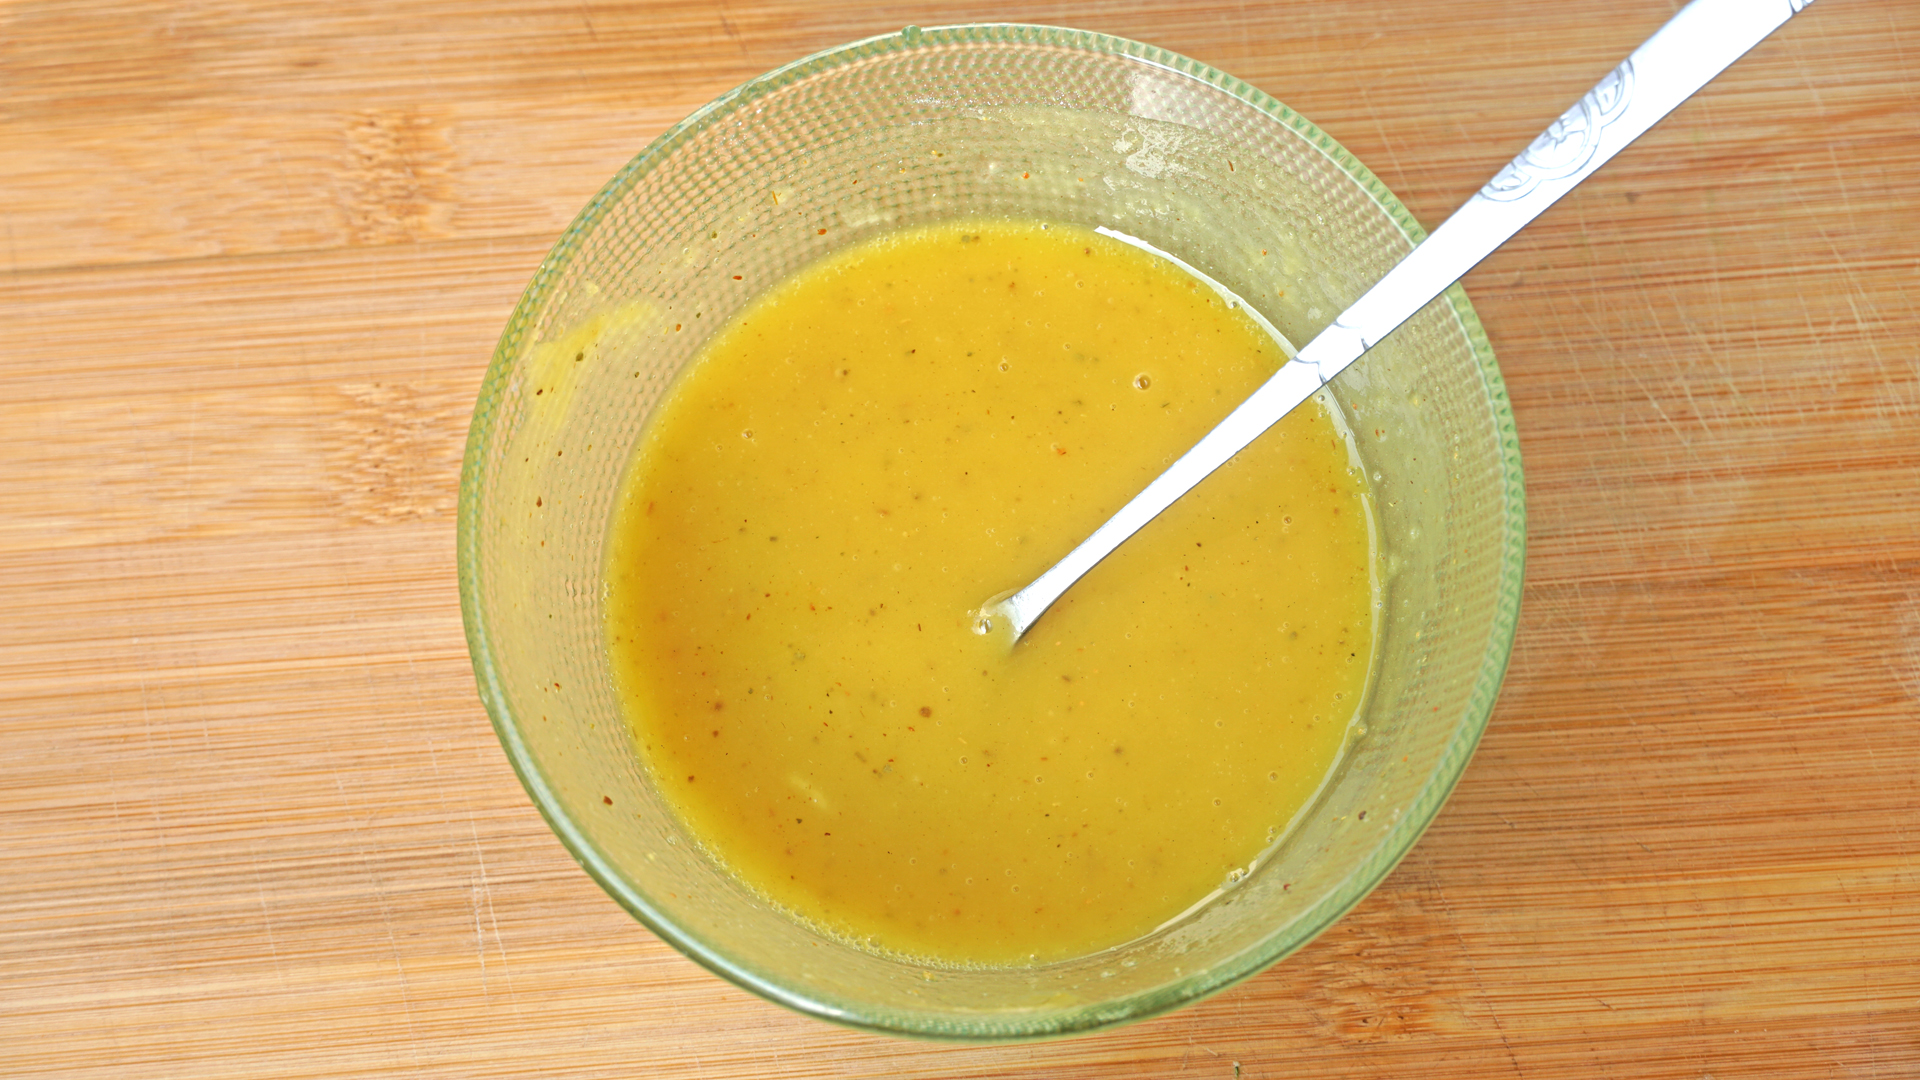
[(927, 125)]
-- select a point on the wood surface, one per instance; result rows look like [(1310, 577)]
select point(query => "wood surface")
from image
[(254, 823)]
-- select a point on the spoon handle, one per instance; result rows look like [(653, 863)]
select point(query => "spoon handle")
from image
[(1681, 57)]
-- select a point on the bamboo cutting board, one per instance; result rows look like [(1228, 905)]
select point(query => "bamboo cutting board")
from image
[(253, 822)]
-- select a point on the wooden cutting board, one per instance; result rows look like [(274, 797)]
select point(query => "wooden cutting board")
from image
[(253, 822)]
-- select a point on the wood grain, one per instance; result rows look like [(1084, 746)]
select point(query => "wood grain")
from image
[(253, 822)]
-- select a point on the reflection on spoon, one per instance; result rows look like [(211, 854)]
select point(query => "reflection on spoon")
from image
[(1667, 69)]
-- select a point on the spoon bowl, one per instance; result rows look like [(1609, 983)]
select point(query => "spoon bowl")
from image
[(935, 125)]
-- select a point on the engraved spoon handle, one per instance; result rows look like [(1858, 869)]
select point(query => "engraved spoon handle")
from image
[(1681, 57)]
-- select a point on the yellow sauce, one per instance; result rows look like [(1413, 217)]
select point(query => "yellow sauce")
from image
[(871, 452)]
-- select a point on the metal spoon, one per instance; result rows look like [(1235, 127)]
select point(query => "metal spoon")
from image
[(1667, 69)]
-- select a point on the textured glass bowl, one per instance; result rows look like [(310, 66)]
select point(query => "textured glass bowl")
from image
[(929, 125)]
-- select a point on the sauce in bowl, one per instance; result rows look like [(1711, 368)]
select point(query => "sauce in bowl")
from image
[(875, 448)]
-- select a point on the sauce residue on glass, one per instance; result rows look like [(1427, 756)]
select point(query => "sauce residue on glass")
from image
[(879, 445)]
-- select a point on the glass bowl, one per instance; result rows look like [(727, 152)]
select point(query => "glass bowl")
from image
[(928, 125)]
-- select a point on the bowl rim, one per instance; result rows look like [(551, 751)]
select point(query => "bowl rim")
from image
[(990, 1028)]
